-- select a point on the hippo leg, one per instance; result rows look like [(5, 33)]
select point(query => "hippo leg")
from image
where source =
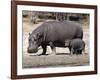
[(83, 52), (53, 48), (67, 43), (72, 51), (69, 49), (44, 49)]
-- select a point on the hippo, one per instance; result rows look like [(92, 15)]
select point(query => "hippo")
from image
[(53, 34), (76, 46)]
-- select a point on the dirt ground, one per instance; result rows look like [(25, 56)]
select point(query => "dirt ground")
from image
[(62, 56)]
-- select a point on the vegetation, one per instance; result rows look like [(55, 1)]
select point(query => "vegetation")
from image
[(35, 17)]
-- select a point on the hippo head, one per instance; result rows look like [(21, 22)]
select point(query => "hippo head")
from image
[(34, 42), (77, 51)]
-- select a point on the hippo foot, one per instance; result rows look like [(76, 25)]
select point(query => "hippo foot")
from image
[(43, 54)]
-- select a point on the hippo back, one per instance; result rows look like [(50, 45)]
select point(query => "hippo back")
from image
[(62, 30)]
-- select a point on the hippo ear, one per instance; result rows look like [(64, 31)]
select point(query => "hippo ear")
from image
[(38, 35)]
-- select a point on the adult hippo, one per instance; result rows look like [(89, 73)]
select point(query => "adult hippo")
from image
[(54, 34)]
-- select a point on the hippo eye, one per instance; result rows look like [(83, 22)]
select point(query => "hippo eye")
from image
[(35, 39)]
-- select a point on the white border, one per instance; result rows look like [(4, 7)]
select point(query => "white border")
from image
[(21, 71)]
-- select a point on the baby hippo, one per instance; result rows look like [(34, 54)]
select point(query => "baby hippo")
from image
[(76, 46)]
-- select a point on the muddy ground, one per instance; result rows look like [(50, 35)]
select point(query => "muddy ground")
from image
[(62, 56)]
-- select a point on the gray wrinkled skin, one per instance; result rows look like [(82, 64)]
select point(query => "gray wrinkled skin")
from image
[(54, 34)]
